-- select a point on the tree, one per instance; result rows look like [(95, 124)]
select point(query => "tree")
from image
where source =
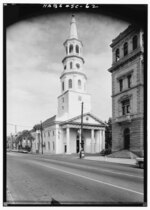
[(24, 135), (37, 127), (108, 134)]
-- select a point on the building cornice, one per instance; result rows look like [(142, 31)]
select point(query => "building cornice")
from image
[(123, 34), (85, 126), (125, 75), (74, 92), (127, 90), (72, 39), (125, 60), (73, 72), (70, 56)]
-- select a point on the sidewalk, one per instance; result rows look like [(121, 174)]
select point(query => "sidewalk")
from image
[(96, 158), (113, 160), (92, 157)]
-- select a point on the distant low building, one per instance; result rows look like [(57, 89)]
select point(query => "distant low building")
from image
[(127, 90)]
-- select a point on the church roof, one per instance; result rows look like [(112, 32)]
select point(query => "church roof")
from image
[(49, 121), (73, 28)]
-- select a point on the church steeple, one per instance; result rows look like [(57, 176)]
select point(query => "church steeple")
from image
[(73, 78), (73, 61), (73, 29)]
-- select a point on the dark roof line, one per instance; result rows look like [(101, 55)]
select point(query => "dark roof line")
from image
[(49, 120)]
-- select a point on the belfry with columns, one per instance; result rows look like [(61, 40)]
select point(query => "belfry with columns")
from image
[(62, 132)]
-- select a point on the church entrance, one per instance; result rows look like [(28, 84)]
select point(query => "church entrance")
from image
[(126, 138), (77, 144)]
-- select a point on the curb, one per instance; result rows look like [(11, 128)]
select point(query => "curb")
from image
[(114, 160)]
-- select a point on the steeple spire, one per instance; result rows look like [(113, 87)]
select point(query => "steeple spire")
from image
[(73, 28)]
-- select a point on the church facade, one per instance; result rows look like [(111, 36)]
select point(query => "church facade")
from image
[(62, 132), (128, 91)]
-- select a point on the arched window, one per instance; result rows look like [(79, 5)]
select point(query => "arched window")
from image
[(77, 49), (71, 48), (125, 48), (70, 83), (77, 65), (117, 55), (134, 42), (79, 84), (63, 86), (70, 65), (66, 50), (65, 67)]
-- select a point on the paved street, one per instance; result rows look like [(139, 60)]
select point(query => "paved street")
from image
[(70, 180)]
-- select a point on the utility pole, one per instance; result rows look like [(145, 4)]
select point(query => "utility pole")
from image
[(42, 136), (82, 147)]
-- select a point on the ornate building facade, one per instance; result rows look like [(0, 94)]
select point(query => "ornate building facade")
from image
[(62, 132), (127, 90)]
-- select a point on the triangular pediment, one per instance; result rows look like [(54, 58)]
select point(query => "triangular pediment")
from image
[(88, 118)]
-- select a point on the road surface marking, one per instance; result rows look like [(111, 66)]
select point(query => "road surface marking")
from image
[(113, 172), (85, 177)]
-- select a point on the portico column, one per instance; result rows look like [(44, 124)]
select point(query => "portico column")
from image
[(103, 136), (68, 140), (101, 142), (92, 140), (97, 145)]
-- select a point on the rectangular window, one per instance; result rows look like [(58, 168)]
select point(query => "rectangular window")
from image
[(53, 146), (121, 84), (49, 145), (129, 81), (53, 133), (126, 107)]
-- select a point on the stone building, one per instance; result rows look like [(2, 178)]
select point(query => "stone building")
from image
[(62, 132), (127, 90)]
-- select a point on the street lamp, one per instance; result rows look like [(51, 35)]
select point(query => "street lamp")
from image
[(82, 143)]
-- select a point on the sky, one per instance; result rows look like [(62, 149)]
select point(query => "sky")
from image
[(34, 64)]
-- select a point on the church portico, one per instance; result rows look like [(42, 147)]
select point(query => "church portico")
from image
[(93, 138)]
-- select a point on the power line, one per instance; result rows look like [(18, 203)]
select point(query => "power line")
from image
[(19, 125)]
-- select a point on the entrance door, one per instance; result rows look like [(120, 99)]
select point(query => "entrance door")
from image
[(77, 143), (77, 146), (65, 148), (126, 138)]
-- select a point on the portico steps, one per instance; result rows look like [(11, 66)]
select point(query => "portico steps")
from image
[(123, 154)]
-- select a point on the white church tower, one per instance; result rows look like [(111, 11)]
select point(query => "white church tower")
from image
[(73, 78)]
